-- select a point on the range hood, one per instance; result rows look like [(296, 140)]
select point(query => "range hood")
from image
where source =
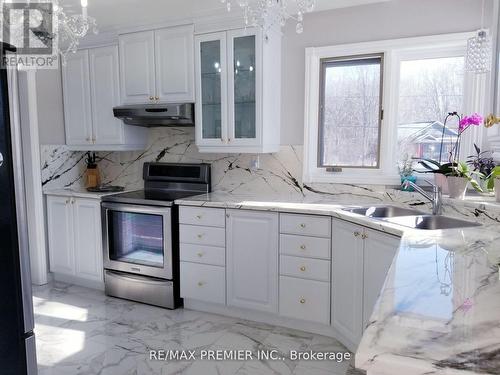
[(151, 115)]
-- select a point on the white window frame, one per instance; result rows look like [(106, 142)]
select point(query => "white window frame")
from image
[(394, 51)]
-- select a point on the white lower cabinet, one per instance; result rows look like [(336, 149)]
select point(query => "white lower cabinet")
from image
[(75, 237), (203, 282), (252, 259), (305, 299), (361, 259)]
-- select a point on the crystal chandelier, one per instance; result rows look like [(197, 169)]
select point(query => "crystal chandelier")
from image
[(72, 28), (267, 13), (478, 56)]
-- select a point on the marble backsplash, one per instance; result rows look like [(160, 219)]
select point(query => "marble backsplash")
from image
[(277, 174)]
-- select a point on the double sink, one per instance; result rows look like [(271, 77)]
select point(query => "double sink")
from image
[(410, 218)]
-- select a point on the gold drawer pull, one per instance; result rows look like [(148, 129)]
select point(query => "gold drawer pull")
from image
[(302, 225), (302, 300), (302, 247), (200, 283), (200, 254), (303, 268)]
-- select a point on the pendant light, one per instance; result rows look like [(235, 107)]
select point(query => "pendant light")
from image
[(478, 56)]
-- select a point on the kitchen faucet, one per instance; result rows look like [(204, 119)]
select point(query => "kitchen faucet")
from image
[(437, 195)]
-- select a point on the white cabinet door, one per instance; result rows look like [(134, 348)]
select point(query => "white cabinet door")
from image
[(88, 238), (60, 233), (137, 67), (379, 252), (347, 279), (211, 89), (105, 90), (77, 107), (244, 87), (252, 260), (174, 50)]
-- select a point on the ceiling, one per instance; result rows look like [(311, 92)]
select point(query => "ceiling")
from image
[(119, 14)]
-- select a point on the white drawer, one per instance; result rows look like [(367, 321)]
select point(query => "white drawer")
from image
[(306, 225), (203, 282), (203, 254), (305, 268), (196, 234), (303, 246), (211, 217), (305, 299)]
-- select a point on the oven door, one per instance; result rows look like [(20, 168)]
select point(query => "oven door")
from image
[(137, 239)]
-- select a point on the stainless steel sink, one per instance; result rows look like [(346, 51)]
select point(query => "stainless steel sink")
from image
[(430, 222), (382, 211)]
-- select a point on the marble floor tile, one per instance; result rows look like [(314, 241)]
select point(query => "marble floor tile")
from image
[(81, 331)]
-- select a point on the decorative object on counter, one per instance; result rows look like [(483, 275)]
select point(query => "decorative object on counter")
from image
[(478, 55), (458, 180), (92, 175), (493, 182), (266, 14), (482, 162), (405, 168), (105, 189)]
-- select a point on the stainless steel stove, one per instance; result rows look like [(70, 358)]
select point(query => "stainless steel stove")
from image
[(141, 233)]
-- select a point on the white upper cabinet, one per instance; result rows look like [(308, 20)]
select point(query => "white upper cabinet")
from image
[(157, 66), (238, 88), (137, 67), (174, 63), (105, 95), (91, 89), (77, 107)]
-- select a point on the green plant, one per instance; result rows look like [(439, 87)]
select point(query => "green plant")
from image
[(490, 180), (433, 166), (405, 166), (463, 170)]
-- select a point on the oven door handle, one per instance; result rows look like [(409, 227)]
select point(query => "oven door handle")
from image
[(142, 279), (135, 208)]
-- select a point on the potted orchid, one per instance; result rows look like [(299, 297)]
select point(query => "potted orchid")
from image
[(461, 175)]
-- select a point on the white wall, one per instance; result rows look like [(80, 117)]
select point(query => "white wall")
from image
[(388, 20), (50, 107)]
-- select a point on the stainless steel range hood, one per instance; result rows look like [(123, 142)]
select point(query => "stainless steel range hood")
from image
[(151, 115)]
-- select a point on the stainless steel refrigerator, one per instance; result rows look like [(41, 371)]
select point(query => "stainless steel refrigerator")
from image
[(17, 340)]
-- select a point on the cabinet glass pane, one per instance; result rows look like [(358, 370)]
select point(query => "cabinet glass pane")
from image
[(244, 87), (211, 89)]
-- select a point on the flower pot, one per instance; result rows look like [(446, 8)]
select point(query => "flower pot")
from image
[(457, 186), (441, 181), (497, 189), (408, 178)]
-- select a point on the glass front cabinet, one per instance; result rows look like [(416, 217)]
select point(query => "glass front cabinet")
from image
[(238, 89)]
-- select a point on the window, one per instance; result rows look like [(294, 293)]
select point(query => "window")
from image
[(350, 108), (368, 105), (428, 90)]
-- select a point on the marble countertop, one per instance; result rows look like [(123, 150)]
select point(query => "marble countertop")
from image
[(439, 310), (76, 192)]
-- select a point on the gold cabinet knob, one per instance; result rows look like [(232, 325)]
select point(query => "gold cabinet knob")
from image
[(198, 217), (151, 98), (302, 225), (67, 201), (364, 236), (72, 201), (200, 235), (303, 268), (356, 234), (157, 98), (200, 254), (200, 283), (302, 300), (302, 247)]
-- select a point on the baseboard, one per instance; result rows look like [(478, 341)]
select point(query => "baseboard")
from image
[(263, 317), (98, 285)]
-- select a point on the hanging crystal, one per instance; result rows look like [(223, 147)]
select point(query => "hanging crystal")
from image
[(478, 57)]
